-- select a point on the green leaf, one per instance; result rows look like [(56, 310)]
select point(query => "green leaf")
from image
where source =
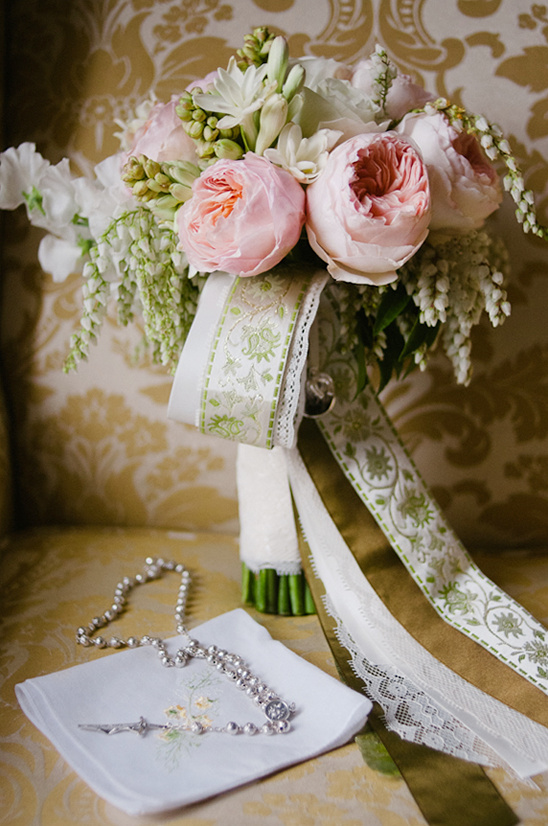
[(390, 362), (365, 342), (420, 334), (375, 754), (393, 303)]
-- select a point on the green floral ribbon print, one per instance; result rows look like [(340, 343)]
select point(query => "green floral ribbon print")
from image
[(248, 357), (366, 446), (369, 451)]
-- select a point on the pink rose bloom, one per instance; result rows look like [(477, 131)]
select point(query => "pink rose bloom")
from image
[(404, 94), (464, 185), (369, 210), (243, 218), (162, 137)]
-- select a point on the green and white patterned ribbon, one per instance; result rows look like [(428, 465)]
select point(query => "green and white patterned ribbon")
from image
[(371, 454), (240, 373)]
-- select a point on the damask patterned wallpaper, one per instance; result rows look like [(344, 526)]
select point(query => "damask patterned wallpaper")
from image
[(96, 445)]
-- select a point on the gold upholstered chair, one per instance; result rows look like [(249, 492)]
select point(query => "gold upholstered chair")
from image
[(94, 477)]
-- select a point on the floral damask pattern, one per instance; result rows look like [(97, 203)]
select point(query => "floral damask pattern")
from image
[(483, 450)]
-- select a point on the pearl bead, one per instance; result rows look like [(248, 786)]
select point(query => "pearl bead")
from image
[(283, 726)]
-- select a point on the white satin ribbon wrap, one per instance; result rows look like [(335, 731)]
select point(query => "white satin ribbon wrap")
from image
[(237, 326)]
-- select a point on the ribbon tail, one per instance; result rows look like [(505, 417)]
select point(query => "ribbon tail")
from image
[(448, 791)]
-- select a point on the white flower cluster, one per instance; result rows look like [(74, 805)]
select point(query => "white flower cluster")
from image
[(452, 284), (152, 277)]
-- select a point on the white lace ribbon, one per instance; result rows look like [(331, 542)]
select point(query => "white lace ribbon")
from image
[(423, 700)]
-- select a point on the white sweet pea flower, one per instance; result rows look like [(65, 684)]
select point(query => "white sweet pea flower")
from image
[(59, 204), (304, 158), (105, 198), (60, 257), (21, 170)]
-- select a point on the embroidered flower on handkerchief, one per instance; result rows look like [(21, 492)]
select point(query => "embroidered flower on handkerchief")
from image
[(198, 701)]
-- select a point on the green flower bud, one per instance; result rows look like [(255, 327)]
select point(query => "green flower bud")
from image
[(205, 149), (132, 171), (150, 167), (227, 149), (278, 58), (273, 119), (194, 129), (165, 207), (294, 82), (181, 172), (180, 192), (141, 190), (210, 134), (185, 107)]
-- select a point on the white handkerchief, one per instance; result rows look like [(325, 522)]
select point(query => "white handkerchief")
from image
[(161, 771)]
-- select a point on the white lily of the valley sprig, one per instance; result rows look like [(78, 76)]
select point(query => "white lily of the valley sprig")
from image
[(304, 158)]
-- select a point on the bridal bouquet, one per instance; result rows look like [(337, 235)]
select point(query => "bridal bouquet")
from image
[(291, 232), (270, 161)]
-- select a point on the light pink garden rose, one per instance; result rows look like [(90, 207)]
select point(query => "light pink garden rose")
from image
[(243, 218), (465, 187), (404, 94), (369, 210), (162, 137)]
